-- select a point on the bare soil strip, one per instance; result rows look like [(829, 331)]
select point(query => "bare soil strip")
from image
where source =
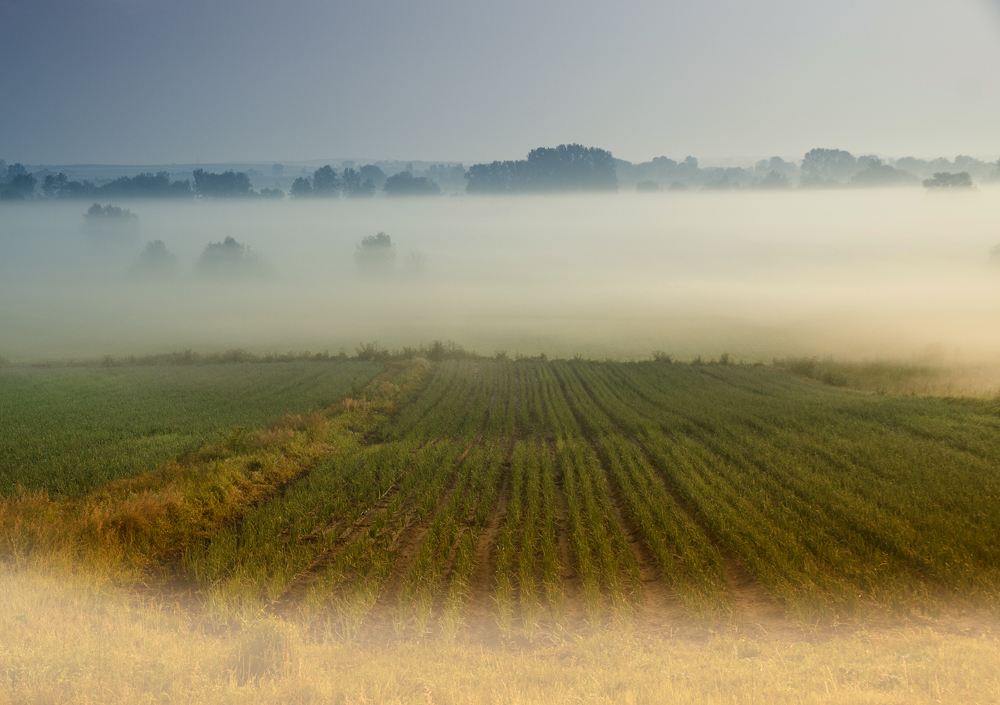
[(480, 599)]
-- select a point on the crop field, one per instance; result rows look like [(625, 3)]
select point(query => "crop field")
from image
[(523, 503), (70, 429), (541, 495), (536, 496)]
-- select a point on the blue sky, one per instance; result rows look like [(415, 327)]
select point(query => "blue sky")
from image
[(159, 81)]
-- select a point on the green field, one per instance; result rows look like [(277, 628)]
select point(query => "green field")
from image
[(70, 429)]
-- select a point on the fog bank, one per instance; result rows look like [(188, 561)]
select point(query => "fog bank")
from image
[(849, 273)]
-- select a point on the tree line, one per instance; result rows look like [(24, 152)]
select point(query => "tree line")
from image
[(565, 168)]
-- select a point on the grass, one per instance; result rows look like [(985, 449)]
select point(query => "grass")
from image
[(124, 527), (67, 430)]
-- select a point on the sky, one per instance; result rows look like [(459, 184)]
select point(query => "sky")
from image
[(181, 81)]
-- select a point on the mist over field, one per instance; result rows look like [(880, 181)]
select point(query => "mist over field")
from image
[(848, 273)]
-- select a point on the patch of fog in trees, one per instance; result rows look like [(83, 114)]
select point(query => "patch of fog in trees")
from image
[(889, 273)]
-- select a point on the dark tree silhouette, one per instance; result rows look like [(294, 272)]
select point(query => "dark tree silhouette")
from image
[(405, 184), (325, 182), (945, 180), (353, 185), (568, 167), (228, 184), (822, 167), (878, 173), (109, 212), (370, 171), (53, 185), (301, 188), (145, 185), (20, 186), (774, 180)]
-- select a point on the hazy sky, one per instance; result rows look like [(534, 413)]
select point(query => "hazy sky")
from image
[(153, 81)]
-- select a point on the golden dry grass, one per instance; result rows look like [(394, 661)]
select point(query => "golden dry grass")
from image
[(75, 640)]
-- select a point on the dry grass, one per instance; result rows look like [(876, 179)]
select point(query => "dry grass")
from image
[(77, 641)]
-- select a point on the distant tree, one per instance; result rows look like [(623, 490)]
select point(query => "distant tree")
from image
[(774, 180), (568, 167), (827, 167), (647, 186), (16, 169), (726, 178), (274, 193), (230, 258), (405, 184), (995, 174), (944, 180), (110, 223), (22, 184), (109, 212), (147, 185), (877, 173), (975, 167), (53, 185), (498, 177), (572, 167), (375, 254), (156, 261), (277, 169), (370, 171), (325, 182), (84, 189), (677, 186), (301, 188), (776, 164), (228, 184), (354, 186)]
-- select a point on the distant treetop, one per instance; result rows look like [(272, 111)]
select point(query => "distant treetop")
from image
[(568, 167), (406, 184), (228, 184)]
